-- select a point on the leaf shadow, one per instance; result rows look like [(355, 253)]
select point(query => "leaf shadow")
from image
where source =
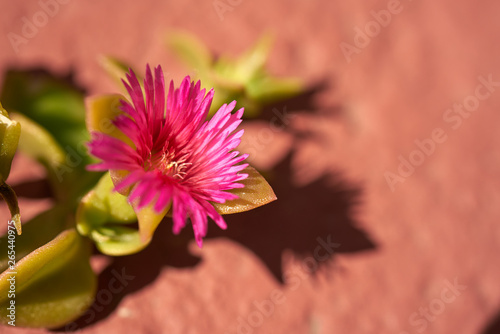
[(324, 209), (493, 326), (34, 189), (302, 102), (294, 222), (126, 275)]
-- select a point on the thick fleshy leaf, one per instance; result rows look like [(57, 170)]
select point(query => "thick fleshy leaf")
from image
[(148, 220), (47, 258), (10, 130), (268, 89), (55, 131), (190, 49), (65, 169), (39, 144), (257, 192), (147, 217), (243, 79), (37, 232), (102, 208), (101, 111), (103, 205), (118, 240), (247, 65), (54, 284), (97, 215), (50, 102)]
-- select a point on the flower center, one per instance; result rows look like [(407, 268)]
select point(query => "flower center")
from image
[(171, 166)]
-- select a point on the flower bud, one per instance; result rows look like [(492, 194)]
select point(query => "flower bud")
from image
[(9, 137)]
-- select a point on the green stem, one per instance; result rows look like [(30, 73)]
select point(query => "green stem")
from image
[(10, 198)]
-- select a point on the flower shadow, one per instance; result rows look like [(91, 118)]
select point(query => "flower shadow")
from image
[(302, 102), (493, 327), (324, 209), (34, 189)]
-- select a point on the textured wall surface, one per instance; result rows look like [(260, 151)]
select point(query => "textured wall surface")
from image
[(387, 175)]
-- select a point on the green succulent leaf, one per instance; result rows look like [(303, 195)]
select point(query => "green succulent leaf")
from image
[(100, 214), (54, 283), (248, 65), (257, 192), (101, 111), (50, 102), (190, 49), (243, 79), (65, 169), (10, 130), (36, 233), (118, 240), (103, 205), (268, 90), (39, 144), (52, 116)]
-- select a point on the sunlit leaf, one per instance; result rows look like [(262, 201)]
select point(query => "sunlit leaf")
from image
[(101, 111), (50, 102), (54, 284), (256, 192), (38, 143), (102, 205), (189, 49), (243, 79), (65, 169), (102, 208), (54, 131), (97, 215), (268, 89), (10, 130), (118, 240), (37, 232), (148, 220), (248, 65)]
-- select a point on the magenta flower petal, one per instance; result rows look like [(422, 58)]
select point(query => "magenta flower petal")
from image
[(179, 158)]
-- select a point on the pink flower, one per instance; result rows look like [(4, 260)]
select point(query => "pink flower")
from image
[(174, 158)]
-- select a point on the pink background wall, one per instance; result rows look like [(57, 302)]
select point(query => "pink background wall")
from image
[(400, 246)]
